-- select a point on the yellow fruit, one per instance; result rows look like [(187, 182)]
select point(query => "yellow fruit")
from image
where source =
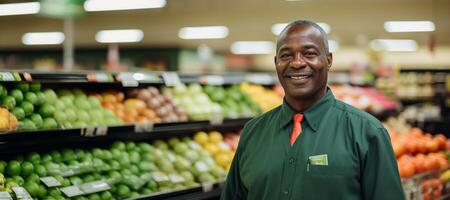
[(222, 159), (201, 138), (215, 137), (212, 148)]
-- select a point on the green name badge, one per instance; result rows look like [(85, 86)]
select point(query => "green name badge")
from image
[(319, 160)]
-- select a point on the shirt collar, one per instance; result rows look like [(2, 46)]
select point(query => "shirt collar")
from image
[(313, 115)]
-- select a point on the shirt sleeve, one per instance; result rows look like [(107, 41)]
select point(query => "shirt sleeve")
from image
[(380, 177), (234, 188)]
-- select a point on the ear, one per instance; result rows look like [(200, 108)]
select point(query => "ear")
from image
[(329, 60), (275, 60)]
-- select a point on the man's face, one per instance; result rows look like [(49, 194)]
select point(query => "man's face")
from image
[(302, 63)]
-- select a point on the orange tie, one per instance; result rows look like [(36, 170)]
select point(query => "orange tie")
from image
[(297, 127)]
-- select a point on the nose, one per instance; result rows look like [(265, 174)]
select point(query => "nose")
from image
[(298, 61)]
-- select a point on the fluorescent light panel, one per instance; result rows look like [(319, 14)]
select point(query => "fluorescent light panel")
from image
[(203, 32), (19, 8), (119, 36), (43, 38), (333, 46), (107, 5), (277, 28), (393, 45), (409, 26), (252, 47)]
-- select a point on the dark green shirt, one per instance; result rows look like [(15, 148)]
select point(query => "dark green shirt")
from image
[(342, 153)]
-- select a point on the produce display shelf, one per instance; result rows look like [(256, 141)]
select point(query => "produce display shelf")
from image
[(124, 78), (14, 142)]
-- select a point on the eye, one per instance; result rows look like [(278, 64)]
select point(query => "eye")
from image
[(310, 53), (285, 55)]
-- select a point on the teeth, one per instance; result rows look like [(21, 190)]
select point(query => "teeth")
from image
[(299, 77)]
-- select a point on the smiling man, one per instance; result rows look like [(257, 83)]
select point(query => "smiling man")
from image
[(312, 146)]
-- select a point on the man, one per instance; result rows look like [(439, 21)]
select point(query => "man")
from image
[(312, 146)]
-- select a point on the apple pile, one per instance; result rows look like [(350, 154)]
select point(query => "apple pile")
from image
[(131, 169), (266, 98), (234, 102), (214, 144), (74, 109), (367, 99), (31, 105), (194, 101), (163, 106), (130, 110)]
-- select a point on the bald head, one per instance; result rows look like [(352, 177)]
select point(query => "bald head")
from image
[(301, 22)]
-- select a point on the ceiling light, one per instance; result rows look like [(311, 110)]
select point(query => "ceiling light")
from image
[(277, 28), (43, 38), (393, 45), (119, 36), (107, 5), (252, 47), (203, 32), (409, 26), (333, 46), (19, 8)]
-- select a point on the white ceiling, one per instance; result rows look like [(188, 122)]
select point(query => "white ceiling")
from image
[(352, 22)]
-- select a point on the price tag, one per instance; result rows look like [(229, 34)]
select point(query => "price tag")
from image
[(67, 172), (101, 77), (88, 132), (175, 178), (127, 79), (71, 191), (95, 186), (146, 77), (9, 76), (21, 193), (212, 80), (263, 79), (27, 76), (143, 127), (101, 131), (171, 78), (216, 118), (207, 186), (5, 196), (50, 181), (160, 177)]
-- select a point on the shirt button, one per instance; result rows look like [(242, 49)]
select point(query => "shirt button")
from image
[(291, 161), (286, 192)]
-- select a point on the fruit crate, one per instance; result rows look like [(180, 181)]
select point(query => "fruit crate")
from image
[(426, 186)]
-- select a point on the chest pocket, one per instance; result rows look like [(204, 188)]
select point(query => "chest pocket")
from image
[(333, 167)]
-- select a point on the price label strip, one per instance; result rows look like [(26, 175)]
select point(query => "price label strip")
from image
[(212, 80), (95, 186), (9, 76), (143, 127), (21, 193), (216, 118), (50, 181), (71, 191), (263, 79), (207, 186), (171, 78), (127, 79), (5, 196), (94, 131), (101, 77)]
